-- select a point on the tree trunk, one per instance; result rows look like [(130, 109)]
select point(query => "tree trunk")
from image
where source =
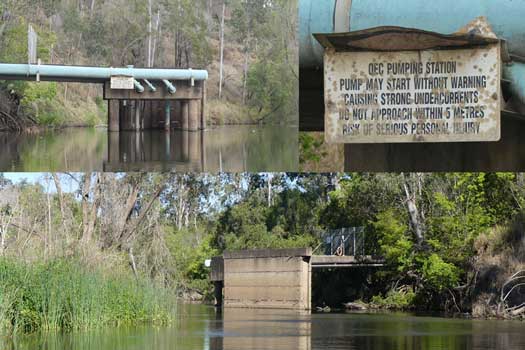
[(246, 54), (209, 19), (128, 210), (221, 66), (415, 216), (2, 28), (92, 8), (245, 80), (58, 187), (156, 39), (150, 30), (132, 262), (89, 212), (270, 178), (128, 232), (86, 187)]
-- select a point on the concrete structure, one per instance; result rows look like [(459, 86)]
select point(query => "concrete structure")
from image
[(273, 278), (341, 16), (268, 278), (183, 109), (138, 98)]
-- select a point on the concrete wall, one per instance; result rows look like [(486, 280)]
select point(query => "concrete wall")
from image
[(268, 279)]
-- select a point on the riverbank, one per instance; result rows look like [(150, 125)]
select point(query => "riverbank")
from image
[(67, 294), (58, 107), (491, 287)]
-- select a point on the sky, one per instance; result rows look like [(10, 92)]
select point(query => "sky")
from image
[(19, 177), (67, 185)]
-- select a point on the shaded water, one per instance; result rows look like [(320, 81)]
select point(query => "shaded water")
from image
[(201, 327), (228, 148)]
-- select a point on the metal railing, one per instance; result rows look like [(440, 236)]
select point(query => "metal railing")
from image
[(348, 241)]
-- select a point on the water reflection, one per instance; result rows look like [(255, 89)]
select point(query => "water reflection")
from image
[(231, 148), (203, 328), (264, 329), (67, 150)]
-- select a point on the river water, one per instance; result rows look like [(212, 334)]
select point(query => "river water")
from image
[(228, 148), (203, 328)]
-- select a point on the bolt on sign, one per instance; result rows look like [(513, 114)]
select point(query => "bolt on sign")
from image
[(405, 96), (120, 82)]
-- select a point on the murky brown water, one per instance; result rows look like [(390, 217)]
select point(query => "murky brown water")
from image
[(201, 327), (228, 148)]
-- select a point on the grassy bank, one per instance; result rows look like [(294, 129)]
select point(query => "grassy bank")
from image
[(65, 295)]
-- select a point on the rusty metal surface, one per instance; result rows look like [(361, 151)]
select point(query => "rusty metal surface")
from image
[(413, 96), (399, 39)]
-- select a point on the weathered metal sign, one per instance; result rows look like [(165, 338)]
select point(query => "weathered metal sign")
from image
[(413, 96), (120, 82)]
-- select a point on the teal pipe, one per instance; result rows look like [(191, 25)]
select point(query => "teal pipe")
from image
[(138, 87), (171, 88), (94, 74), (150, 86), (443, 16), (515, 72), (315, 16)]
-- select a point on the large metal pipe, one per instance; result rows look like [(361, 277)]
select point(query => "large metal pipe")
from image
[(515, 72), (94, 74), (443, 16)]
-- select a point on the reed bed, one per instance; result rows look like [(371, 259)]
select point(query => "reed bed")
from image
[(67, 295)]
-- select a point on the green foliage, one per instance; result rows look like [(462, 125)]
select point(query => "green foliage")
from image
[(39, 100), (401, 299), (14, 42), (455, 210), (309, 148), (291, 221), (92, 119), (359, 199), (438, 274), (270, 86), (396, 246), (38, 91), (268, 240), (190, 252), (189, 26)]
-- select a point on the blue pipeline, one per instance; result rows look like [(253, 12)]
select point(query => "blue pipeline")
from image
[(515, 72), (443, 16), (138, 87), (150, 86), (25, 71), (172, 89), (315, 16)]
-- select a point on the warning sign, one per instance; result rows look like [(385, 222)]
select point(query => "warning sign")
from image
[(413, 96), (120, 82)]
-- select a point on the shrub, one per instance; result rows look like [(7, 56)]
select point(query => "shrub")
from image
[(400, 299), (439, 274)]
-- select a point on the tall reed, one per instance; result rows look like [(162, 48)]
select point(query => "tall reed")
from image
[(64, 294)]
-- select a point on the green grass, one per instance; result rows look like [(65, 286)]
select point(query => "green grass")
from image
[(65, 295)]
